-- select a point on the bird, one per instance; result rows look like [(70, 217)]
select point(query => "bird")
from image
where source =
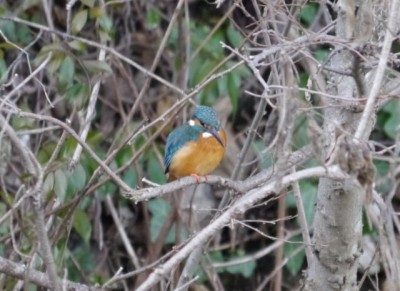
[(197, 147)]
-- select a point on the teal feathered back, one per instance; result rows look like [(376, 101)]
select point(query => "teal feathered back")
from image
[(178, 138)]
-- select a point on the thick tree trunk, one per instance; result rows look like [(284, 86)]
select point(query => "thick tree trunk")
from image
[(338, 219)]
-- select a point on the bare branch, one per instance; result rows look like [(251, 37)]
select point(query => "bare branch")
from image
[(21, 272), (239, 207)]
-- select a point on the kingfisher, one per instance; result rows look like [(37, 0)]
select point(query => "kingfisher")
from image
[(197, 147)]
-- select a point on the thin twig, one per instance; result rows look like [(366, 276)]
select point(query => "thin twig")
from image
[(361, 132), (56, 151), (259, 254), (156, 60), (191, 266), (22, 148), (27, 79), (277, 269), (90, 111), (119, 271), (68, 7), (302, 220), (127, 243)]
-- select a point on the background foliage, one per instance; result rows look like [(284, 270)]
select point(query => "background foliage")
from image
[(85, 239)]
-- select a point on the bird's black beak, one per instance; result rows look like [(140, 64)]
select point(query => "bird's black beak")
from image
[(215, 133)]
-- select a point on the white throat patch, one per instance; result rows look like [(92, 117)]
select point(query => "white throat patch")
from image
[(206, 134), (191, 122)]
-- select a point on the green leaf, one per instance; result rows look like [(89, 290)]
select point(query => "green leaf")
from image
[(22, 122), (130, 177), (123, 156), (216, 256), (266, 158), (308, 191), (60, 184), (321, 54), (67, 72), (3, 228), (79, 21), (89, 3), (55, 48), (45, 152), (382, 167), (9, 30), (153, 18), (5, 155), (104, 36), (368, 229), (55, 63), (392, 124), (246, 269), (295, 262), (243, 70), (222, 84), (88, 164), (69, 148), (155, 170), (301, 136), (23, 34), (81, 224), (202, 71), (209, 94), (214, 49), (233, 89), (48, 184), (77, 94), (106, 31), (107, 189), (97, 66), (78, 177), (96, 12), (309, 196), (77, 45), (106, 24), (307, 14), (160, 209), (302, 83), (234, 37), (78, 259), (94, 138), (3, 68)]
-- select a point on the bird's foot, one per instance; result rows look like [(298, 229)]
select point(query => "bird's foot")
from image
[(197, 177)]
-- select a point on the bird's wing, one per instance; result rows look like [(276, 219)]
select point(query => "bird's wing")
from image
[(177, 139)]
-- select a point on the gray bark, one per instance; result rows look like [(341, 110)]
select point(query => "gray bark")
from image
[(338, 219)]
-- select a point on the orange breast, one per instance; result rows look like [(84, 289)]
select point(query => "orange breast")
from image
[(200, 157)]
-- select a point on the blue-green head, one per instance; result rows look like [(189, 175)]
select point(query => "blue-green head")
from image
[(207, 117)]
